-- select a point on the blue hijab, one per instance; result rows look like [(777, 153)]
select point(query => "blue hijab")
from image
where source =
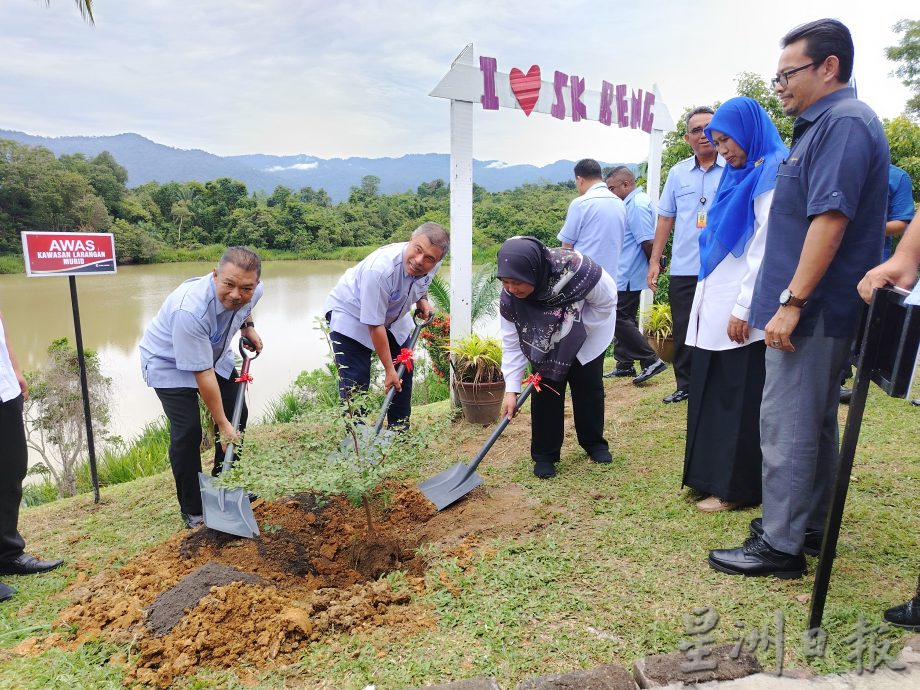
[(730, 224)]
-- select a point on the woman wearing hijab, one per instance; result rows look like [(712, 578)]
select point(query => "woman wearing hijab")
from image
[(558, 313), (722, 456)]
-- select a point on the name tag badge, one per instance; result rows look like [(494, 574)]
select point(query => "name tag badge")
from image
[(394, 296), (701, 219)]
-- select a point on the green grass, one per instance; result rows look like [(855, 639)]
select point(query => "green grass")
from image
[(11, 263), (618, 555)]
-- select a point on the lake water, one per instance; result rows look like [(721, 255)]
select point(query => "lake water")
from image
[(115, 309)]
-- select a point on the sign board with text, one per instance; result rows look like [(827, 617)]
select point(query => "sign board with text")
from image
[(68, 253)]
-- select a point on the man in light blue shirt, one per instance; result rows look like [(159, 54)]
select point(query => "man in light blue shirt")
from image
[(186, 353), (596, 220), (687, 196), (368, 311), (630, 345)]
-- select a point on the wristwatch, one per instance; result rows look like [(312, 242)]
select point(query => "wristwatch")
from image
[(787, 299), (247, 324)]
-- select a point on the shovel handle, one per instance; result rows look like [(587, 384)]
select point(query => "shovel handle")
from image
[(248, 356), (500, 427), (419, 325)]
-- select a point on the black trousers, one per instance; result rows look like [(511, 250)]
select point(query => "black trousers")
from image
[(680, 295), (630, 344), (14, 460), (547, 412), (181, 408), (354, 363)]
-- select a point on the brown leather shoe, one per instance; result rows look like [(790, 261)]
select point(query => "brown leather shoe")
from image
[(714, 504)]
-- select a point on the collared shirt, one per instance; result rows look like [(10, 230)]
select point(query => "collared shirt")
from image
[(688, 192), (838, 162), (191, 333), (377, 292), (594, 225), (900, 200), (9, 386), (598, 314), (640, 227)]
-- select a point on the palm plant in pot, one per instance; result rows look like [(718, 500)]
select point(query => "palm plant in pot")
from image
[(480, 386), (658, 328)]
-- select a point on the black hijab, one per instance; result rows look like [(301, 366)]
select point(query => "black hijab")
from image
[(548, 321)]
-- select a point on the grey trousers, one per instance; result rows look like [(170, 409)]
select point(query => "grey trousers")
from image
[(799, 436)]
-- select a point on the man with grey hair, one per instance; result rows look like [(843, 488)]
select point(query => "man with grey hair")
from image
[(368, 311), (683, 206), (186, 354)]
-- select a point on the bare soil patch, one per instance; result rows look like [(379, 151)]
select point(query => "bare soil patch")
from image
[(204, 598)]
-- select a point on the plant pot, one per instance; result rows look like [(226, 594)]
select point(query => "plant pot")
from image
[(481, 402), (663, 347)]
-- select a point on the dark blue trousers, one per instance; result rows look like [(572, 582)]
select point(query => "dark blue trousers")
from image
[(354, 364)]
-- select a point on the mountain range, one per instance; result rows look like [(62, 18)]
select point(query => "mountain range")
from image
[(147, 161)]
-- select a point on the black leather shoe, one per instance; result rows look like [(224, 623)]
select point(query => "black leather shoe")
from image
[(906, 615), (601, 456), (845, 395), (757, 559), (677, 396), (6, 592), (813, 537), (192, 521), (24, 564), (651, 370), (544, 470), (620, 371)]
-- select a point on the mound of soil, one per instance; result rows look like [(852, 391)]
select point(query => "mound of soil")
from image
[(205, 598)]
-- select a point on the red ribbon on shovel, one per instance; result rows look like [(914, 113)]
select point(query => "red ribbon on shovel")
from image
[(535, 380), (405, 357), (244, 378)]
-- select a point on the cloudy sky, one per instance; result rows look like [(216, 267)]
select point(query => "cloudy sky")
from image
[(352, 79)]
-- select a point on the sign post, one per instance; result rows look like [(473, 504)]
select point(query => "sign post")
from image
[(71, 254), (470, 82)]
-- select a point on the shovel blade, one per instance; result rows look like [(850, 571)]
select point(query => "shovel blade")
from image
[(370, 445), (227, 510), (449, 486)]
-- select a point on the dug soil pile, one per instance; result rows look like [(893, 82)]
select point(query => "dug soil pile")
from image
[(208, 599)]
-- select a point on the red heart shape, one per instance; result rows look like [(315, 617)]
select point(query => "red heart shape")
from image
[(526, 87)]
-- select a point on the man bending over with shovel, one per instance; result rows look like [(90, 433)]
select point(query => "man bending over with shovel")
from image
[(368, 311), (186, 353)]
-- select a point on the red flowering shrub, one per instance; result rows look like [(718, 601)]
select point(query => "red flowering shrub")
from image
[(436, 338)]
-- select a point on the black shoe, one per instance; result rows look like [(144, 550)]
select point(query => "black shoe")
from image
[(601, 456), (252, 496), (6, 592), (24, 564), (192, 521), (813, 537), (757, 559), (621, 371), (845, 395), (655, 367), (544, 470), (906, 615), (915, 402), (679, 395)]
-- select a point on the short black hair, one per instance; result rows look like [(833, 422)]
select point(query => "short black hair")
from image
[(699, 110), (620, 169), (823, 38), (588, 168)]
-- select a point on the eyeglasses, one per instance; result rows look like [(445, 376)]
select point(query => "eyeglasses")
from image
[(783, 77), (696, 131)]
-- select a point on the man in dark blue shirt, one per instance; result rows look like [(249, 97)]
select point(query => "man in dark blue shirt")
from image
[(826, 228)]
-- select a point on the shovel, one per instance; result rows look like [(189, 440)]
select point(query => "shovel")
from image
[(370, 440), (228, 510), (453, 484)]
